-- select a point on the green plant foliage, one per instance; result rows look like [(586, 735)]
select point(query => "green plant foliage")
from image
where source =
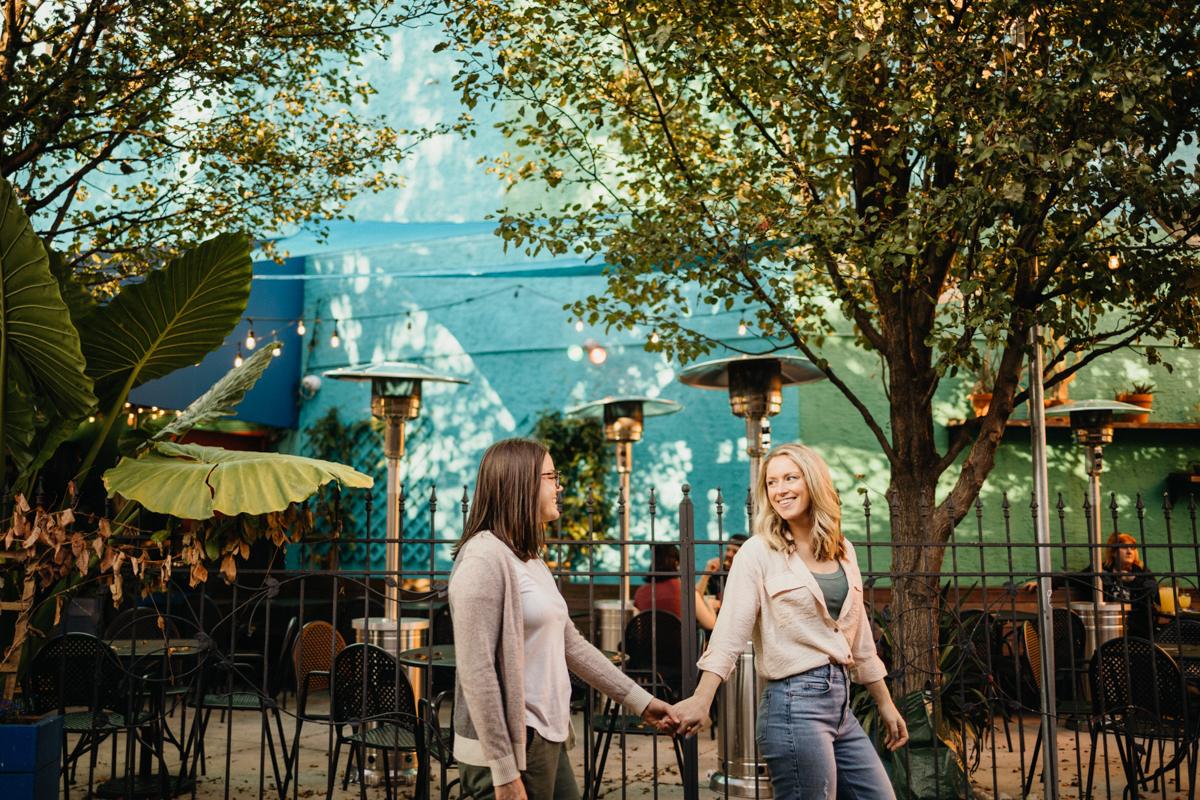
[(174, 318), (585, 459), (219, 401), (41, 364), (189, 481), (132, 127)]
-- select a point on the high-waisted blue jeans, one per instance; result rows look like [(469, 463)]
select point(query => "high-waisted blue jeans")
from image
[(813, 745)]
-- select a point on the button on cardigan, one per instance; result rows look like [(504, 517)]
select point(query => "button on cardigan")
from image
[(773, 598)]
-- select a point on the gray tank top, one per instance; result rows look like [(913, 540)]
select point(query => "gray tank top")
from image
[(835, 587)]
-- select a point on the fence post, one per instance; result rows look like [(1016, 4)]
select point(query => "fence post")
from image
[(687, 612)]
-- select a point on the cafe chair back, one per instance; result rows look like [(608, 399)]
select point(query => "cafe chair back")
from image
[(1139, 695)]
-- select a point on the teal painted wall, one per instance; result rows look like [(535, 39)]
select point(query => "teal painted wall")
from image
[(513, 347)]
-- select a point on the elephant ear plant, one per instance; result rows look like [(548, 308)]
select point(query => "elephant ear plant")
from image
[(63, 358)]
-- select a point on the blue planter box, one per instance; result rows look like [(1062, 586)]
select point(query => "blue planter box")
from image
[(29, 759)]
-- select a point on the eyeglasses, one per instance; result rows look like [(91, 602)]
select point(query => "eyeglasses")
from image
[(556, 475)]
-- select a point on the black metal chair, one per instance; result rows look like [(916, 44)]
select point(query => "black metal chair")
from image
[(1072, 709), (1175, 633), (369, 686), (146, 623), (653, 644), (1140, 695), (78, 669), (243, 691)]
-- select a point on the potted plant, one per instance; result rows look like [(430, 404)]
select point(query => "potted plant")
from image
[(1140, 395), (30, 749), (981, 392)]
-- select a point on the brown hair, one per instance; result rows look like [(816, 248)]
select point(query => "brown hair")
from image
[(1112, 557), (824, 506), (506, 497)]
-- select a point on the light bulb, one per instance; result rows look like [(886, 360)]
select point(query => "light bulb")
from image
[(742, 329), (91, 419), (654, 337), (179, 413), (131, 420), (579, 325), (335, 341), (1114, 260), (278, 351), (300, 329), (237, 362), (575, 353), (597, 355), (127, 405), (154, 408), (250, 337)]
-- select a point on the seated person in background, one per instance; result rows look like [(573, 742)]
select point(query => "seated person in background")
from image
[(714, 585), (1124, 579), (662, 591)]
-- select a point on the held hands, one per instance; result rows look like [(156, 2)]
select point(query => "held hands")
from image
[(660, 715), (893, 723), (692, 715)]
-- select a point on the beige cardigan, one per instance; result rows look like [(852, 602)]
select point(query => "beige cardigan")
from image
[(489, 633), (774, 599)]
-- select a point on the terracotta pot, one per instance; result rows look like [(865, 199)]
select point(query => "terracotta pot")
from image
[(981, 402), (1139, 400)]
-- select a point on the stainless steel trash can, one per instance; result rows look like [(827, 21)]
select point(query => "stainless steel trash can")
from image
[(1111, 623), (394, 636), (611, 620), (741, 769)]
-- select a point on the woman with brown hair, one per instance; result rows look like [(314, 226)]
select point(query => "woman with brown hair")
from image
[(795, 588), (516, 642)]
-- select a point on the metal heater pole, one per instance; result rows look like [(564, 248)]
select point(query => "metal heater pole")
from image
[(393, 451), (754, 447), (1041, 493), (624, 469)]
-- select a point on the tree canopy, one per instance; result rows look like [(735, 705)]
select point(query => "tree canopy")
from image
[(126, 124), (941, 175)]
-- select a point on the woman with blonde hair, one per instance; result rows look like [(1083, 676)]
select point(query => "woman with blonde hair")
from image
[(516, 641), (796, 590)]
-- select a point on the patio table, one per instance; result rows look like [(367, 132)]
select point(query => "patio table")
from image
[(149, 652)]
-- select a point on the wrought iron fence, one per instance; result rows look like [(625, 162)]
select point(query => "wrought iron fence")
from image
[(182, 681)]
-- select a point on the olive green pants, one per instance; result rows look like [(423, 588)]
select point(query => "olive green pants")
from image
[(547, 774)]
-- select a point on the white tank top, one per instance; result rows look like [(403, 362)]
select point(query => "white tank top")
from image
[(547, 682)]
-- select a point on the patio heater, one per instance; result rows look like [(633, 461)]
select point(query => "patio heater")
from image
[(623, 417), (1092, 422), (755, 385), (395, 399)]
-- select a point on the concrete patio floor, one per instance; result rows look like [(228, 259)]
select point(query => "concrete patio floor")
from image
[(632, 776)]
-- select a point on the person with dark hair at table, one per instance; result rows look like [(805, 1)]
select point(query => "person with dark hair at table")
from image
[(662, 591), (714, 585)]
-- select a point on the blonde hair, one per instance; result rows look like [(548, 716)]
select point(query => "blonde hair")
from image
[(824, 506)]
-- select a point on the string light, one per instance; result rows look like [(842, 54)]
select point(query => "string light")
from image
[(579, 325), (131, 420), (742, 329), (278, 351), (237, 362), (654, 337), (1114, 260), (596, 353), (300, 329), (335, 340), (91, 419), (250, 342)]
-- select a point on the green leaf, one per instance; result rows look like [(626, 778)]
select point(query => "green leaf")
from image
[(189, 481), (222, 397), (45, 441), (79, 300), (174, 318), (42, 346)]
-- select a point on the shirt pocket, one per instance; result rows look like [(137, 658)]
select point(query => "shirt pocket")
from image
[(786, 589)]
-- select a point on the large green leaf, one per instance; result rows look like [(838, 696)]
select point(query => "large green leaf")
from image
[(44, 360), (172, 319), (219, 401), (189, 481), (78, 299)]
